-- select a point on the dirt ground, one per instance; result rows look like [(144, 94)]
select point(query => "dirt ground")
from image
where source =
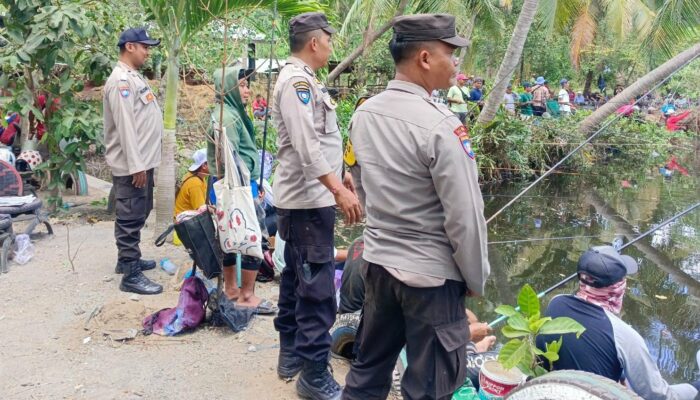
[(51, 351)]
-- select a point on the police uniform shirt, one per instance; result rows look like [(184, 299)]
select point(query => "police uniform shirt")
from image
[(133, 123), (309, 141), (423, 204)]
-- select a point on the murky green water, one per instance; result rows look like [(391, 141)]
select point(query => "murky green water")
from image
[(663, 300)]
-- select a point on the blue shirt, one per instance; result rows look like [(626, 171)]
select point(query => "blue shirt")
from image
[(611, 348), (475, 94)]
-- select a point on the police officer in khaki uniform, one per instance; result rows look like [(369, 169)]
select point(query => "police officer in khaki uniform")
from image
[(307, 188), (425, 238), (133, 128)]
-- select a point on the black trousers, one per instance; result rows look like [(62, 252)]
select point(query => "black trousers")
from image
[(430, 322), (132, 206), (307, 304)]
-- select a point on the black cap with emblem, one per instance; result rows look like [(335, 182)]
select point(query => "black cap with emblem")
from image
[(136, 35), (426, 27), (309, 21)]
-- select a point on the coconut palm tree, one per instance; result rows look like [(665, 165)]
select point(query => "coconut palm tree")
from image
[(467, 13), (660, 24), (640, 87), (510, 61), (180, 20)]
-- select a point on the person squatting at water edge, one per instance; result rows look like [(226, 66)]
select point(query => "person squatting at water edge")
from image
[(422, 199), (307, 187), (609, 347)]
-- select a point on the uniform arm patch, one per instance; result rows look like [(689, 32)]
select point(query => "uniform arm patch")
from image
[(303, 91), (462, 134), (124, 90)]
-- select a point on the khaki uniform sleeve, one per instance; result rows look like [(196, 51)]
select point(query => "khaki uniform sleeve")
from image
[(122, 109), (456, 181), (298, 118)]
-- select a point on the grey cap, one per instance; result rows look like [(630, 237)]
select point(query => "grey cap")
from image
[(425, 27), (310, 21)]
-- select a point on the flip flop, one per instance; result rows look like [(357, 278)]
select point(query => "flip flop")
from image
[(266, 307)]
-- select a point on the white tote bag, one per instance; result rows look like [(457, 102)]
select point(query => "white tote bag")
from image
[(239, 230)]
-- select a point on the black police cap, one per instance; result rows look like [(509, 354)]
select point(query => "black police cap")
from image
[(426, 27), (136, 35), (310, 21)]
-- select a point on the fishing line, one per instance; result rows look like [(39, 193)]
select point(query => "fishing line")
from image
[(633, 241), (542, 239), (590, 138), (269, 87)]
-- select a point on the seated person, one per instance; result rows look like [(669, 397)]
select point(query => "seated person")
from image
[(609, 347), (352, 295), (259, 107), (193, 190)]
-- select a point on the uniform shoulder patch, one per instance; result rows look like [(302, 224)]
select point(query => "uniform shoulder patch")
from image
[(303, 91), (462, 134), (124, 90)]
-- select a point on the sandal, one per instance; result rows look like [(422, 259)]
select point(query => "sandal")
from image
[(266, 307)]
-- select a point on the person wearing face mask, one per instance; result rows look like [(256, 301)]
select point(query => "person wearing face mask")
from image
[(133, 129), (425, 237), (609, 347), (231, 86)]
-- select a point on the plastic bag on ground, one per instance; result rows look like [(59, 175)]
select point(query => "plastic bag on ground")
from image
[(24, 249)]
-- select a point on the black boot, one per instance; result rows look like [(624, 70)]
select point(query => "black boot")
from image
[(136, 282), (288, 364), (317, 383), (145, 265)]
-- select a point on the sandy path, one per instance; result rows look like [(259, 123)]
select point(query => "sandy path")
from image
[(42, 319)]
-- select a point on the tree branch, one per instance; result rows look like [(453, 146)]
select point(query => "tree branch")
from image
[(370, 38)]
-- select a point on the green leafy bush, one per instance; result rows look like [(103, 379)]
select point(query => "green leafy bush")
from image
[(524, 324)]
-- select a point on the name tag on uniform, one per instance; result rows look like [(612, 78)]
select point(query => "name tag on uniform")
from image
[(147, 97)]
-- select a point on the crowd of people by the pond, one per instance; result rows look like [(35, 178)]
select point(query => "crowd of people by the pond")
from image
[(539, 97), (411, 171)]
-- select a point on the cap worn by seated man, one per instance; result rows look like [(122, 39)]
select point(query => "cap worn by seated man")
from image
[(609, 346), (425, 237)]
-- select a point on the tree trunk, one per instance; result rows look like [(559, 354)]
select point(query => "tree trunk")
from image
[(589, 82), (510, 61), (640, 87), (165, 193), (366, 43), (467, 35)]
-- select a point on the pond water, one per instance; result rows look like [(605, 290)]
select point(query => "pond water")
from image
[(663, 299)]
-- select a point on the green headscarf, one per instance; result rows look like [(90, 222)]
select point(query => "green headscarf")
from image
[(239, 127), (232, 96)]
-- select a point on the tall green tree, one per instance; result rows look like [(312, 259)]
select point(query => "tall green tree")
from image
[(367, 16), (510, 61), (659, 24), (180, 21), (46, 44)]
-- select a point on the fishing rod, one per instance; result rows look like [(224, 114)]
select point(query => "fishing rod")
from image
[(590, 138), (269, 87), (542, 239), (633, 241)]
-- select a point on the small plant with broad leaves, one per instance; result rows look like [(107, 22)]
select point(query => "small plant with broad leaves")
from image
[(522, 327)]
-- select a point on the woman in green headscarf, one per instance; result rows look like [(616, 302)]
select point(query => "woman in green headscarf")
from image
[(233, 93)]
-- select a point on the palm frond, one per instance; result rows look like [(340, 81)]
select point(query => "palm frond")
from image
[(675, 22), (618, 14), (582, 35), (181, 19)]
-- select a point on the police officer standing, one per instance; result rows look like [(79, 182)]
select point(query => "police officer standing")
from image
[(133, 128), (307, 188), (425, 238)]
